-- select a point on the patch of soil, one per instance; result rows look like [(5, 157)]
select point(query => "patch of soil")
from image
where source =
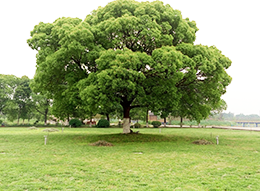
[(50, 130), (102, 143), (202, 142)]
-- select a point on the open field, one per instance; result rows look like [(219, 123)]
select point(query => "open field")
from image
[(146, 161)]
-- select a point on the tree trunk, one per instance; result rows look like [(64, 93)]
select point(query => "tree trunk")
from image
[(18, 117), (45, 116), (181, 122), (68, 119), (126, 120), (107, 116), (90, 121), (164, 121), (147, 115), (126, 125)]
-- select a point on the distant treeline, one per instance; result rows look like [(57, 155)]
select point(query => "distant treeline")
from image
[(232, 117)]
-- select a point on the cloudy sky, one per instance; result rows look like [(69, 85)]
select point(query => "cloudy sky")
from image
[(232, 26)]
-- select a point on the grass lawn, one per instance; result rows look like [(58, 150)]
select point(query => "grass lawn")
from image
[(146, 161)]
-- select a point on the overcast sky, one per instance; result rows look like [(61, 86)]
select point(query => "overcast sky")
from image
[(232, 26)]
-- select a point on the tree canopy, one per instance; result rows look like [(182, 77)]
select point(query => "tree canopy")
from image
[(132, 54)]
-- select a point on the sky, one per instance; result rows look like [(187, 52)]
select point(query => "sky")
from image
[(232, 26)]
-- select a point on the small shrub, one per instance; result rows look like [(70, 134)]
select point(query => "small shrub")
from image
[(103, 123), (75, 123), (137, 125), (156, 124), (1, 121)]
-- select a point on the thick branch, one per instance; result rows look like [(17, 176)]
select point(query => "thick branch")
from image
[(79, 65)]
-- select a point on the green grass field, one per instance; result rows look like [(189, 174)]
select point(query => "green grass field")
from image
[(146, 161)]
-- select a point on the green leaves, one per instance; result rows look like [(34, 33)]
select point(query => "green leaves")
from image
[(118, 76), (128, 53)]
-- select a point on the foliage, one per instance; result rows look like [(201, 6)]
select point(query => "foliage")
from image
[(27, 124), (17, 102), (126, 55), (156, 124), (35, 123), (41, 104), (137, 125), (8, 84), (138, 114), (1, 121), (232, 117), (103, 123), (75, 123)]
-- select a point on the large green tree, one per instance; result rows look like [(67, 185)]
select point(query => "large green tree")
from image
[(129, 53)]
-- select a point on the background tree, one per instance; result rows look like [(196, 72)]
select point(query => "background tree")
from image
[(8, 84), (42, 105), (22, 98), (19, 102), (138, 114)]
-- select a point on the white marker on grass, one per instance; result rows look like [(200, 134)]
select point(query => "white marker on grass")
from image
[(45, 139), (217, 140)]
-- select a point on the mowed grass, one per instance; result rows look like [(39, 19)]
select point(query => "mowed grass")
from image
[(147, 161)]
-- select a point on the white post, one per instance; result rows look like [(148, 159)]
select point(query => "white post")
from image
[(217, 140), (45, 139), (62, 129), (160, 130)]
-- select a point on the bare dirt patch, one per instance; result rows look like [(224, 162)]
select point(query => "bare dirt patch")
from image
[(101, 143), (202, 142)]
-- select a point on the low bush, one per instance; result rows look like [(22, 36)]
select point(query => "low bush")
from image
[(103, 123), (75, 123), (156, 124), (137, 125)]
